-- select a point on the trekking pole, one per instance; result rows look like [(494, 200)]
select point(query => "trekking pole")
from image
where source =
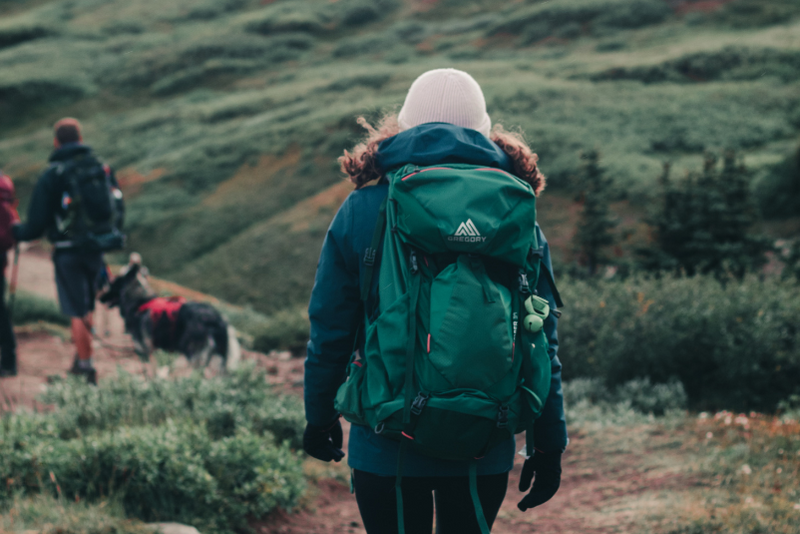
[(12, 288)]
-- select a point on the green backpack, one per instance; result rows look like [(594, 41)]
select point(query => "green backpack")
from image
[(455, 360)]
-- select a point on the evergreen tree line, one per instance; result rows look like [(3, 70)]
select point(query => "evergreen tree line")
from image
[(705, 223)]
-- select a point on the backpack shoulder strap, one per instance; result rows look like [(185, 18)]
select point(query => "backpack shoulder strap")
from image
[(371, 253), (537, 255)]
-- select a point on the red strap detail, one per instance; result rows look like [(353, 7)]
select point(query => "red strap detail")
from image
[(492, 169), (406, 435), (358, 364), (404, 178), (429, 343), (160, 306)]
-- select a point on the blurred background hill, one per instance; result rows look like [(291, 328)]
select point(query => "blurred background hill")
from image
[(224, 117)]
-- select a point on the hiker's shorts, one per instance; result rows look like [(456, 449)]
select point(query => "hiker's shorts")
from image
[(77, 274)]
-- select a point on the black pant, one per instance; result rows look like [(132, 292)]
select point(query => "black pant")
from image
[(455, 513), (8, 343)]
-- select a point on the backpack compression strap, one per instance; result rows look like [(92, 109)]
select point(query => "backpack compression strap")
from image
[(371, 253)]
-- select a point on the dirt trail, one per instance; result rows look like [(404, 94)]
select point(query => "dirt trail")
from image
[(603, 490), (40, 354)]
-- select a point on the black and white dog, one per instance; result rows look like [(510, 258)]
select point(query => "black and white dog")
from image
[(194, 329)]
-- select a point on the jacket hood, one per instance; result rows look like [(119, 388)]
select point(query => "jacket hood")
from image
[(69, 151), (440, 142)]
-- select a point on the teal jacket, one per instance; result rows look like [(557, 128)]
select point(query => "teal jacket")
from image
[(336, 310)]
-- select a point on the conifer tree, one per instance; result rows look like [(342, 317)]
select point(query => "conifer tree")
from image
[(594, 235), (792, 261), (706, 223)]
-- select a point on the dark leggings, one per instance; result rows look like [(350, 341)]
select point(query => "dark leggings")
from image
[(455, 513), (8, 343)]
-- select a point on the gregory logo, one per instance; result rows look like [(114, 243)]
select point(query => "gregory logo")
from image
[(467, 232)]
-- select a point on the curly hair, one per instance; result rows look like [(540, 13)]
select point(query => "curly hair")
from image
[(361, 167)]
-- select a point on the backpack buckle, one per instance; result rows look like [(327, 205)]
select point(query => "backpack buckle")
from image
[(414, 264), (524, 286), (369, 256), (419, 403), (502, 417)]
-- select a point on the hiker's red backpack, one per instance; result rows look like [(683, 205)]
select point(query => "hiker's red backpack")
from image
[(8, 212)]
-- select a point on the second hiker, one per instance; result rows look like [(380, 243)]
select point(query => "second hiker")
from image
[(77, 203)]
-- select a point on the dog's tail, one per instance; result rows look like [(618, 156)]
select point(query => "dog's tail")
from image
[(234, 353)]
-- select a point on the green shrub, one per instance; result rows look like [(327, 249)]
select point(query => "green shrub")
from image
[(286, 330), (13, 32), (22, 89), (173, 472), (372, 81), (236, 401), (778, 192), (639, 394), (556, 14), (30, 308), (735, 346), (43, 514), (287, 17), (754, 13), (730, 63), (211, 453)]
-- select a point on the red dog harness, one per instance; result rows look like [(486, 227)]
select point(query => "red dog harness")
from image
[(163, 306)]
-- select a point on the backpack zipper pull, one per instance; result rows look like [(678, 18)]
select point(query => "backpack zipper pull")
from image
[(524, 287)]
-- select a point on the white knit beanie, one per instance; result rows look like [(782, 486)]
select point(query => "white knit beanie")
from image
[(445, 95)]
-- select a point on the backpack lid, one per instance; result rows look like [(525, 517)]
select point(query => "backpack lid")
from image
[(464, 209)]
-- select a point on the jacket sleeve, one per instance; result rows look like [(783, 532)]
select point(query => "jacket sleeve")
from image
[(41, 210), (336, 313), (550, 430), (120, 202)]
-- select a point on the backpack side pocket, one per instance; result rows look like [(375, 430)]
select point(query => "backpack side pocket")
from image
[(348, 400)]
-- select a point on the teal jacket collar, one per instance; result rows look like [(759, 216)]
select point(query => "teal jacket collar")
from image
[(439, 142)]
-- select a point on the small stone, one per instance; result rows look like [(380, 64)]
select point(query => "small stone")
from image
[(174, 528)]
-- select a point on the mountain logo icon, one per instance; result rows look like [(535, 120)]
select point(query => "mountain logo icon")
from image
[(467, 229)]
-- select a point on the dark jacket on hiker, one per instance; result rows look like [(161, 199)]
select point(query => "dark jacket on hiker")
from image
[(336, 311), (46, 199)]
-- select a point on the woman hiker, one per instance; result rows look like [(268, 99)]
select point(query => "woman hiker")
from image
[(442, 121)]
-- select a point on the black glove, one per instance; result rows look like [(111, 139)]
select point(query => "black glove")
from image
[(547, 466), (324, 443)]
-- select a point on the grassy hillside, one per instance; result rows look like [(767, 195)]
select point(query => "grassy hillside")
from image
[(224, 117)]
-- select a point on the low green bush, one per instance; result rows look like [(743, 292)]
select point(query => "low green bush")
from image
[(172, 472), (778, 191), (21, 89), (41, 514), (555, 14), (210, 453), (237, 401), (729, 64), (639, 394), (733, 346), (286, 330), (755, 13), (13, 33), (30, 308), (287, 17)]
